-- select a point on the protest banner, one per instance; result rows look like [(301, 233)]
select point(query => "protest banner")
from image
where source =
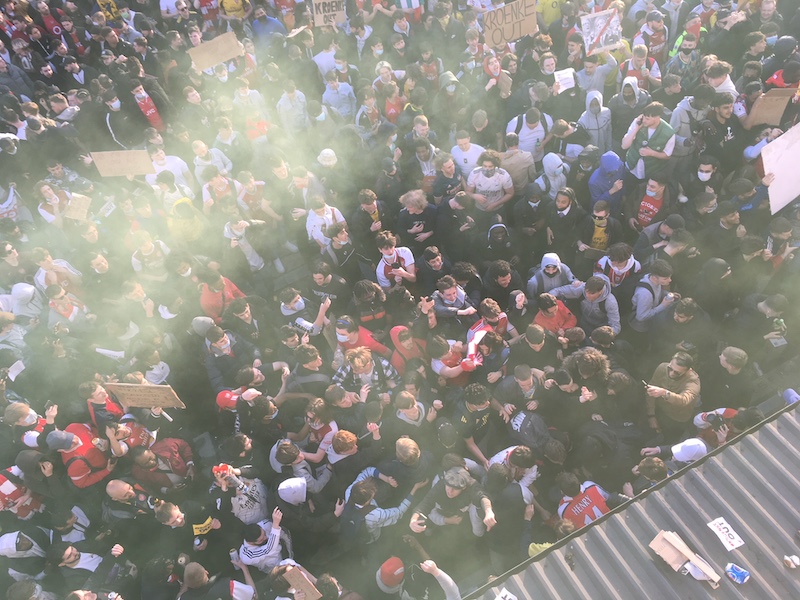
[(769, 108), (123, 162), (328, 12), (78, 207), (134, 395), (601, 31), (216, 51), (509, 23), (780, 159)]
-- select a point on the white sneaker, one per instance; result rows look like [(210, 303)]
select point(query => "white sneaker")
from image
[(291, 247), (279, 266)]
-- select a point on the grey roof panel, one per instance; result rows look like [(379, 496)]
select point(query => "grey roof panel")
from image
[(753, 483)]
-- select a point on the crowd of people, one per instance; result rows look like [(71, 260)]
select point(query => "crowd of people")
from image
[(430, 305)]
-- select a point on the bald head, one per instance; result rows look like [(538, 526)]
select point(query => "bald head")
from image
[(119, 490), (195, 575)]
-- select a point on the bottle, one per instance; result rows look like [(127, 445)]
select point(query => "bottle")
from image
[(234, 554)]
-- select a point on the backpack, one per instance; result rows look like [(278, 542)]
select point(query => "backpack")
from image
[(352, 530), (521, 121)]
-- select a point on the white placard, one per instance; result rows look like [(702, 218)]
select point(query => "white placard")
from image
[(15, 369), (565, 79), (780, 159), (729, 538), (505, 595)]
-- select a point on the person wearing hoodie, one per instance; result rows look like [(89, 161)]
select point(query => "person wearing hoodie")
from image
[(578, 179), (607, 183), (554, 176), (501, 244), (598, 305), (551, 274), (651, 297), (309, 527), (625, 107), (596, 120), (449, 111), (689, 112)]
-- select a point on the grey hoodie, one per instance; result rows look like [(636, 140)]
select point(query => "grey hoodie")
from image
[(551, 181), (594, 313), (540, 282), (598, 125), (646, 305), (622, 113), (681, 121)]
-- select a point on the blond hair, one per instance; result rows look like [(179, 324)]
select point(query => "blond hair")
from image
[(407, 451)]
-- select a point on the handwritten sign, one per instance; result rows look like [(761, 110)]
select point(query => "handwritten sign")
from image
[(134, 395), (729, 538), (299, 582), (509, 23), (328, 12), (601, 31), (78, 207), (123, 162), (213, 52), (780, 159), (505, 595)]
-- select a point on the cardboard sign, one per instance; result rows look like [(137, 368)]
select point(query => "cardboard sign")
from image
[(729, 538), (504, 82), (123, 162), (328, 12), (780, 159), (213, 52), (134, 395), (78, 207), (601, 31), (505, 595), (769, 108), (509, 23), (299, 582)]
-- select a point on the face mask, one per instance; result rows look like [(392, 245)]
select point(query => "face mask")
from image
[(342, 337), (223, 79), (470, 65), (594, 109), (340, 68), (115, 105), (686, 51), (550, 274), (548, 71), (488, 172), (188, 273), (711, 209), (559, 169), (650, 193), (771, 40), (140, 96), (450, 89), (300, 305), (393, 139), (586, 169), (378, 52), (226, 348), (703, 176), (320, 117), (31, 419)]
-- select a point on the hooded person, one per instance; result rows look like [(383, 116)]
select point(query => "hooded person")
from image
[(598, 306), (625, 107), (406, 348), (500, 245), (449, 111), (578, 179), (596, 120), (308, 527), (550, 274), (27, 551), (35, 466), (554, 176), (785, 50), (606, 183)]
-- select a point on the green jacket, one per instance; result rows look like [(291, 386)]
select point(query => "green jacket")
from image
[(658, 141)]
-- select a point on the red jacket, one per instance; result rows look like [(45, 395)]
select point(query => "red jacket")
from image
[(86, 465), (215, 303), (174, 452)]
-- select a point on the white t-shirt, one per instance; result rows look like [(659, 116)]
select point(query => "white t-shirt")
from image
[(177, 166), (493, 188), (530, 139), (404, 256), (466, 161)]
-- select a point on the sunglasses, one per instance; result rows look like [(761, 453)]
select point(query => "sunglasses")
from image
[(599, 217)]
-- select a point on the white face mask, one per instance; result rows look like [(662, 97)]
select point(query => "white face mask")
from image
[(703, 176), (320, 117), (141, 96), (223, 79), (115, 105), (188, 273), (31, 419), (301, 305), (451, 88), (342, 337)]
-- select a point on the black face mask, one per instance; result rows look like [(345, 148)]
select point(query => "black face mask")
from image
[(686, 51)]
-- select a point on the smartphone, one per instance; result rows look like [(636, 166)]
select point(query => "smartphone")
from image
[(645, 383)]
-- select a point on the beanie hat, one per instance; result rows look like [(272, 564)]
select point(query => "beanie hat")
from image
[(390, 576)]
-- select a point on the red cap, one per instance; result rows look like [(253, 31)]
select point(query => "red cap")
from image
[(390, 575), (226, 400)]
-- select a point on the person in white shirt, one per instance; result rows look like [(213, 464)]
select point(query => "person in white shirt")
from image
[(175, 165), (532, 132), (264, 543), (465, 154)]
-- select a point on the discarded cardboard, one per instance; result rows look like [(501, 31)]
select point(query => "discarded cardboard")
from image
[(213, 52), (669, 546), (299, 582), (133, 395), (123, 162)]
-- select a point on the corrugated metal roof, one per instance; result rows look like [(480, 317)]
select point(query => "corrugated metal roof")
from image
[(754, 484)]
